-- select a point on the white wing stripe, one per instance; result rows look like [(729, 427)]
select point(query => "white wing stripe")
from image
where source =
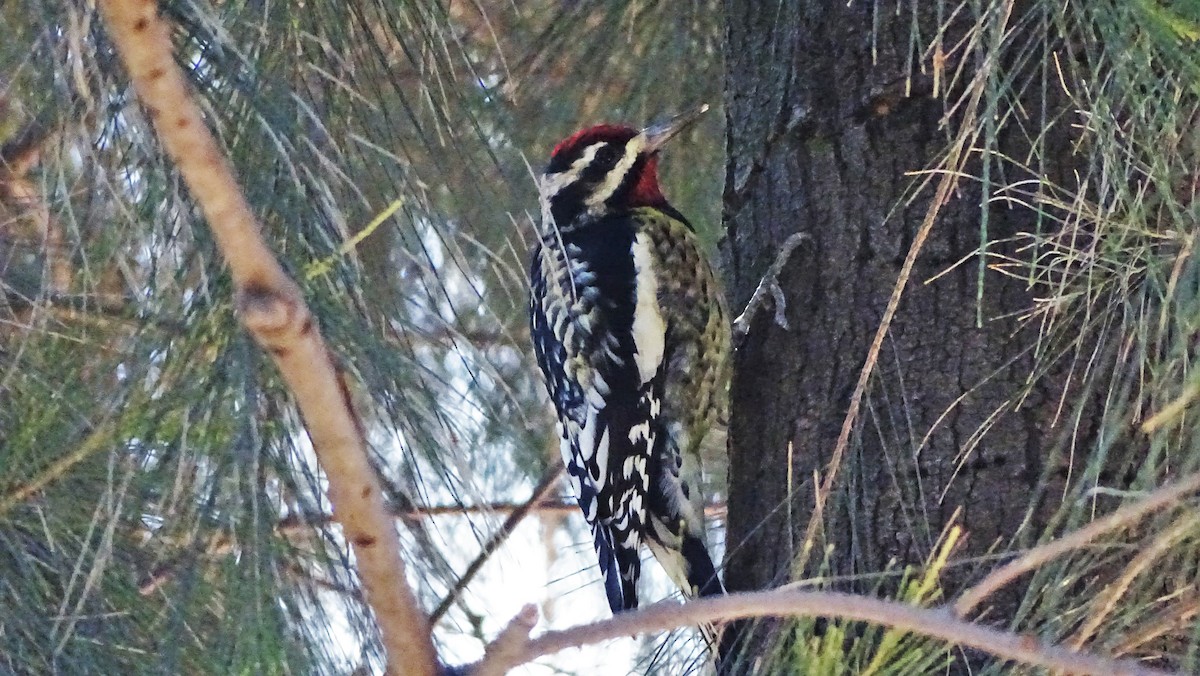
[(649, 329)]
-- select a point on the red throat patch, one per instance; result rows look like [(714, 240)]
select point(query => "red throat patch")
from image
[(647, 193)]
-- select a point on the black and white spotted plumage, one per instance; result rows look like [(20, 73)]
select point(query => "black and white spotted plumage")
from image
[(630, 330)]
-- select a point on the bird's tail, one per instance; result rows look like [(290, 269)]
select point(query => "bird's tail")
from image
[(620, 566), (691, 568), (702, 577), (701, 573)]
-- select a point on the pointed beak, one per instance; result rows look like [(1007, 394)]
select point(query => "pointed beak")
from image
[(658, 134)]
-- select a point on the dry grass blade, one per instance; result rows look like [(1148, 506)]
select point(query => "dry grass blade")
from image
[(272, 309), (1173, 617), (1108, 599), (1038, 556)]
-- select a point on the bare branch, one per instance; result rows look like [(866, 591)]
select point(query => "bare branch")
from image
[(272, 309), (304, 523), (933, 622), (1162, 498), (540, 502), (769, 284), (509, 645)]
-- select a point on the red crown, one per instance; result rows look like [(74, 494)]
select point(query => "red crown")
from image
[(600, 132)]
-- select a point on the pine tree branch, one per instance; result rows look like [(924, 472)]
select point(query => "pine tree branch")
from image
[(513, 647), (304, 523), (271, 307)]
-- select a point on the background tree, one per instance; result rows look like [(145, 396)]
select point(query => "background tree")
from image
[(1029, 192)]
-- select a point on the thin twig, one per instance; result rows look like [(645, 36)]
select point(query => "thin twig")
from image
[(933, 622), (544, 505), (98, 308), (1162, 498), (101, 307), (543, 488), (272, 308), (769, 284), (304, 523), (94, 442)]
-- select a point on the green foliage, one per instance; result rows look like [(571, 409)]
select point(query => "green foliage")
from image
[(834, 647), (1117, 252), (1111, 265)]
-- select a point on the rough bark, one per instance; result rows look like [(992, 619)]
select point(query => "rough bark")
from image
[(821, 131)]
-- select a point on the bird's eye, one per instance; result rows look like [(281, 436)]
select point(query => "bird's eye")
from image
[(607, 156)]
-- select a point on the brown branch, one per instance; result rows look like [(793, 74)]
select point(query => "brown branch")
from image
[(549, 479), (101, 308), (1162, 498), (542, 505), (513, 648), (301, 523), (272, 309), (304, 522), (98, 309)]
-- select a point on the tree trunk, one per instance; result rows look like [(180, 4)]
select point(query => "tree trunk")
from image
[(821, 130)]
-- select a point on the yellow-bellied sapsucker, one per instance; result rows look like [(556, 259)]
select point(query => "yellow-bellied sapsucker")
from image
[(630, 328)]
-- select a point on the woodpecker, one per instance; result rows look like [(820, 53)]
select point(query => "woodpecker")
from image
[(630, 329)]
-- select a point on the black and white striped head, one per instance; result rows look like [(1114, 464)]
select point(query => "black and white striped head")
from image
[(606, 169)]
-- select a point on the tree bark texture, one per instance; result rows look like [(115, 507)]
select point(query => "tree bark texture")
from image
[(821, 133)]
